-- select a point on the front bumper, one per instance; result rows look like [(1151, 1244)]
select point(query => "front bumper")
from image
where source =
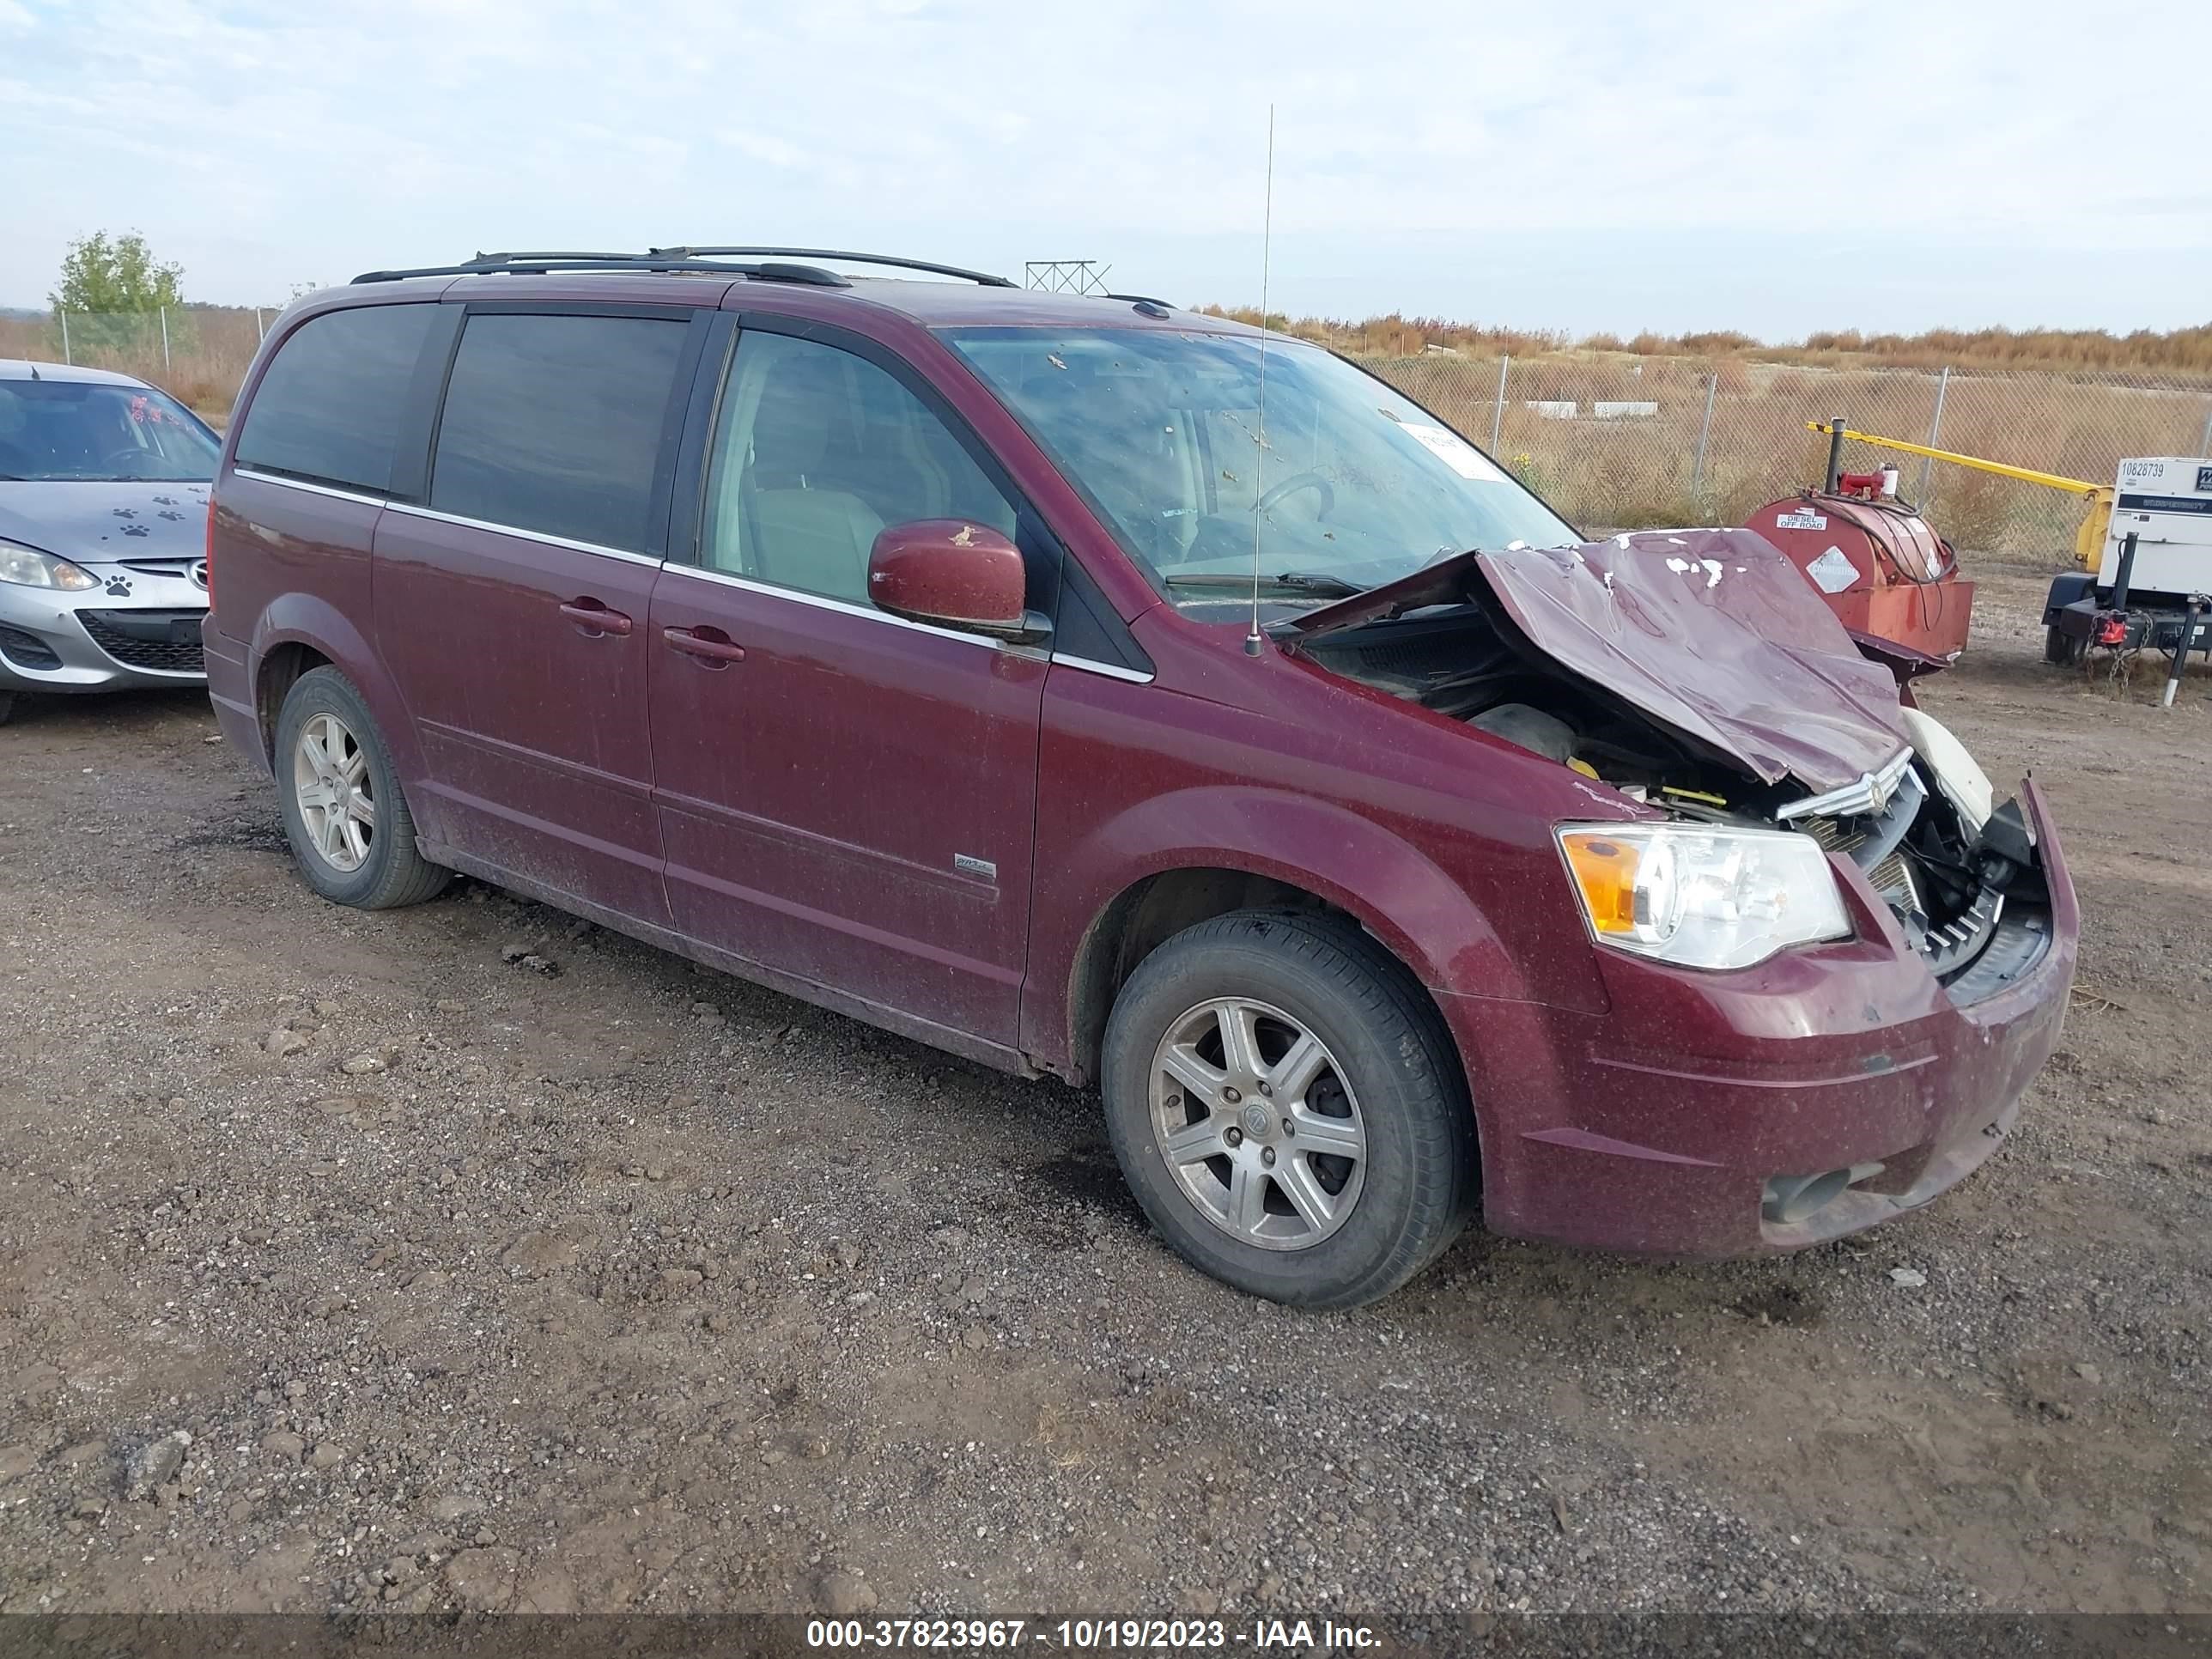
[(142, 631), (1657, 1129)]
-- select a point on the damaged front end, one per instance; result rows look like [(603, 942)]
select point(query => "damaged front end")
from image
[(1695, 673), (1967, 891)]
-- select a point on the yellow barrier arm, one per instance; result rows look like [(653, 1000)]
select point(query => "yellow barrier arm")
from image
[(2025, 474), (2096, 499)]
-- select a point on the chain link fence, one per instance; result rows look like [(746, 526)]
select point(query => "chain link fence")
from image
[(1627, 442), (198, 353)]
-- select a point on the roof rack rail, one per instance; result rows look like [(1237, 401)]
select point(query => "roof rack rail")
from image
[(982, 276), (544, 253), (1143, 302), (538, 265)]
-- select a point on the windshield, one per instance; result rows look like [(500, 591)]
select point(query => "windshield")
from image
[(1352, 484), (52, 430)]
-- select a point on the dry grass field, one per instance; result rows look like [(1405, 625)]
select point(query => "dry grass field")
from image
[(1613, 437), (2182, 351)]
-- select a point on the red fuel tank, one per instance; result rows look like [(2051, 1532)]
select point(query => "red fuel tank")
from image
[(1882, 568)]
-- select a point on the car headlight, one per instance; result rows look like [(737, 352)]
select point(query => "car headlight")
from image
[(1702, 895), (28, 567)]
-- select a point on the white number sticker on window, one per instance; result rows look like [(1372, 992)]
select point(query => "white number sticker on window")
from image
[(1462, 457)]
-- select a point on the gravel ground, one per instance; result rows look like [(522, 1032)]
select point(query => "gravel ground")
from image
[(469, 1256)]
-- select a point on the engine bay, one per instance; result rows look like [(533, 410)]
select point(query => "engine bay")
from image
[(1961, 878)]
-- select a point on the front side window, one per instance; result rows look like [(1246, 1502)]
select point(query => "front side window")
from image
[(329, 407), (555, 424), (54, 430), (1348, 484), (816, 451)]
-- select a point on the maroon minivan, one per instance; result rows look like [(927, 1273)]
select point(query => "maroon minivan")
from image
[(1091, 688)]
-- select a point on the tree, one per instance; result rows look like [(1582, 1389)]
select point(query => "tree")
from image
[(101, 274)]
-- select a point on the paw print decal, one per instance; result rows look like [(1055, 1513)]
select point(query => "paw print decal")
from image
[(118, 587), (137, 530), (170, 513), (124, 512), (165, 501)]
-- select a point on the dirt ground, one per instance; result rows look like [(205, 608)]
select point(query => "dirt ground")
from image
[(632, 1287)]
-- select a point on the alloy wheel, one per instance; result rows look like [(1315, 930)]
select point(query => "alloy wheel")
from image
[(1258, 1123), (330, 781)]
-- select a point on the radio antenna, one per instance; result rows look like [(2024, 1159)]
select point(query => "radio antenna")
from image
[(1260, 458)]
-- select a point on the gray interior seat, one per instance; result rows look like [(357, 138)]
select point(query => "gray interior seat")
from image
[(817, 540), (839, 450)]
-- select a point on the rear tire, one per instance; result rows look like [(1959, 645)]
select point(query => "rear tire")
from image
[(7, 706), (351, 833), (1335, 1046)]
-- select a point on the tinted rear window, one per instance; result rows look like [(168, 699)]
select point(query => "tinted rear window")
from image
[(331, 404), (554, 424)]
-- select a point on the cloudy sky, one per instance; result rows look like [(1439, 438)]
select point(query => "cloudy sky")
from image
[(1583, 164)]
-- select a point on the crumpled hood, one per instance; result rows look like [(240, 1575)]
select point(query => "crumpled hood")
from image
[(1712, 632), (97, 523)]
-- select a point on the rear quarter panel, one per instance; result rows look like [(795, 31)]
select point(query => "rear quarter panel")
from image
[(288, 562), (292, 567)]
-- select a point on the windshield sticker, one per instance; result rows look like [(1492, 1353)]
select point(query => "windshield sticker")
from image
[(1800, 520), (1462, 457), (1833, 572)]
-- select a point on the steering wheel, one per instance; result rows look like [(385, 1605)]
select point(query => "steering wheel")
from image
[(127, 458), (1291, 485)]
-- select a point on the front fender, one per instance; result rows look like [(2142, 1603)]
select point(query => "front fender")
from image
[(1396, 891), (1439, 926)]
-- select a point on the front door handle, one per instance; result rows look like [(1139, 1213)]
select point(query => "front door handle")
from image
[(593, 618), (710, 645)]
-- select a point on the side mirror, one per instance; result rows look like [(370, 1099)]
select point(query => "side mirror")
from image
[(954, 573)]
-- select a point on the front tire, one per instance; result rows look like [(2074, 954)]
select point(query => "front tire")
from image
[(1286, 1106), (351, 833)]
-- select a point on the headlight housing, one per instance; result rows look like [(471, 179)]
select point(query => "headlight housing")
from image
[(1702, 895), (26, 567)]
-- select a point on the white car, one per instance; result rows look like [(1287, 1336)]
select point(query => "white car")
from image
[(103, 533)]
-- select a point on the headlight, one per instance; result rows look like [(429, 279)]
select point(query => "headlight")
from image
[(28, 567), (1703, 897)]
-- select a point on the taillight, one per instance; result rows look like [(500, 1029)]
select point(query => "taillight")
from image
[(207, 559)]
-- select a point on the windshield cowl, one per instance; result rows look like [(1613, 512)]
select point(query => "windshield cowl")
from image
[(1297, 583)]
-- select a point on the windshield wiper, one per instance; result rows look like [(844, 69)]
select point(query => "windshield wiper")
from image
[(1294, 581)]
